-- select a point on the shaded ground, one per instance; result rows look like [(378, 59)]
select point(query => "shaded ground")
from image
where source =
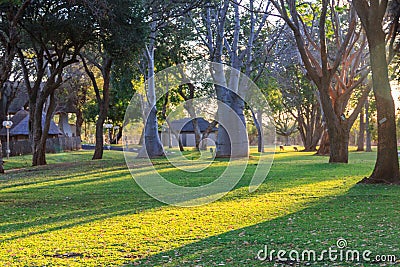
[(92, 213)]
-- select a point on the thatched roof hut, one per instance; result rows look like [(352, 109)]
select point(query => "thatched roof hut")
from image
[(20, 127), (186, 125)]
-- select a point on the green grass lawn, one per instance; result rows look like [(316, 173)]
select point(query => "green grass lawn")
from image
[(91, 213)]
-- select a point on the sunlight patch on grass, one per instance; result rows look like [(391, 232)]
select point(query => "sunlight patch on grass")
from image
[(92, 213), (158, 229)]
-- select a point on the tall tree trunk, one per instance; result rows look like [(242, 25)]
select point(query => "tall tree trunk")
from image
[(287, 142), (261, 132), (192, 112), (176, 134), (37, 98), (368, 139), (79, 123), (257, 118), (337, 128), (141, 140), (223, 143), (339, 144), (38, 95), (324, 147), (103, 101), (40, 156), (239, 137), (117, 137), (303, 136), (310, 133), (152, 144), (3, 103), (170, 138), (99, 145), (207, 132), (335, 143), (310, 147), (9, 41), (315, 128), (81, 99), (315, 137), (188, 106), (234, 143), (1, 158), (103, 106), (197, 132), (387, 163), (360, 141), (322, 69)]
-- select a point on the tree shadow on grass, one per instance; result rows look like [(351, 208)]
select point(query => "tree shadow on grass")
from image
[(86, 204), (356, 216), (48, 204), (74, 199), (55, 177)]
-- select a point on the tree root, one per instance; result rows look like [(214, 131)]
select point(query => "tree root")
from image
[(372, 180)]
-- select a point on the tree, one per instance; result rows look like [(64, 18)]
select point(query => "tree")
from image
[(336, 74), (285, 126), (103, 63), (159, 13), (361, 134), (386, 168), (188, 97), (120, 95), (232, 35), (300, 99), (54, 33), (368, 137), (73, 93), (164, 116), (121, 29), (10, 15), (176, 50), (152, 146)]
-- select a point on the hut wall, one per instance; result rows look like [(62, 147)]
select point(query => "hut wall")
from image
[(53, 145)]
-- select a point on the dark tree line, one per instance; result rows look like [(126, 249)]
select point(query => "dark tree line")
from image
[(322, 83)]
